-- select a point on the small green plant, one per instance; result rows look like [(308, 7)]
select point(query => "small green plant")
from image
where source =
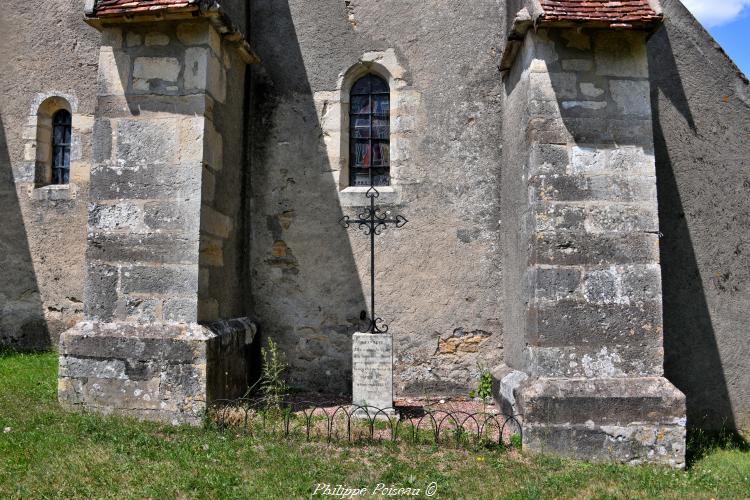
[(515, 441), (484, 387), (272, 379)]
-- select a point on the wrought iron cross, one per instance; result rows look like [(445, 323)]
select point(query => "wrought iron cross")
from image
[(373, 221)]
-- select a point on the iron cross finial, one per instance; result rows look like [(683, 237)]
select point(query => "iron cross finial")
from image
[(373, 221)]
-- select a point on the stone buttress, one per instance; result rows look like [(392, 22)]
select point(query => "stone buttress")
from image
[(584, 329), (162, 275)]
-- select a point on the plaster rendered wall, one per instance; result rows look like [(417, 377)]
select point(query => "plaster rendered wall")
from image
[(46, 49), (701, 109), (439, 277)]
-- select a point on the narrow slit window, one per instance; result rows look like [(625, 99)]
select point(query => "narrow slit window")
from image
[(61, 139), (370, 134)]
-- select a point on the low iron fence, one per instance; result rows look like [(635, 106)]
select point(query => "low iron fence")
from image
[(312, 420)]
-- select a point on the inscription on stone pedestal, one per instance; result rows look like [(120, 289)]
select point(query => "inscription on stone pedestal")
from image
[(372, 365)]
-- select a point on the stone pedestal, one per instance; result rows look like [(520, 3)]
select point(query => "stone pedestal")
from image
[(163, 372), (631, 420), (372, 373), (583, 326)]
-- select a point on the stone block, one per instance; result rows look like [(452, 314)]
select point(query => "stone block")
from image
[(632, 160), (193, 33), (632, 131), (589, 128), (217, 79), (164, 182), (543, 109), (133, 39), (192, 137), (114, 216), (213, 147), (621, 218), (211, 252), (616, 188), (71, 367), (196, 68), (100, 290), (372, 370), (141, 142), (582, 108), (159, 279), (141, 310), (635, 444), (102, 140), (554, 283), (555, 217), (621, 53), (576, 39), (551, 130), (633, 97), (540, 87), (181, 309), (153, 106), (166, 247), (176, 215), (112, 37), (208, 309), (591, 90), (629, 359), (573, 322), (565, 85), (571, 248), (156, 38), (208, 187), (114, 72), (173, 343), (216, 223), (148, 70), (548, 159)]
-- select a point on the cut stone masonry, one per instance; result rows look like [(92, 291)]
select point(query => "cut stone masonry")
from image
[(584, 349), (160, 243)]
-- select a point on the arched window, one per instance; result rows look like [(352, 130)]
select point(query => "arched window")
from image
[(370, 134), (61, 134)]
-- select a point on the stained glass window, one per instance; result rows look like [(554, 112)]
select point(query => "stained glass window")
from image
[(61, 139), (370, 134)]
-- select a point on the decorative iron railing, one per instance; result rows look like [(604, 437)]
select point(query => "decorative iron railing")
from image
[(352, 423)]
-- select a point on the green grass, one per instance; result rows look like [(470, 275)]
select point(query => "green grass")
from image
[(49, 453)]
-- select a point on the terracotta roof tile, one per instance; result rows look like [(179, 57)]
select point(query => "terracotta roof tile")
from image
[(119, 7), (608, 11)]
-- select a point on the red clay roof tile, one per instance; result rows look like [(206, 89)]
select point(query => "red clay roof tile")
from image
[(608, 11), (120, 7)]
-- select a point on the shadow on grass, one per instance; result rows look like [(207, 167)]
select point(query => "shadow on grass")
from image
[(701, 443), (10, 351)]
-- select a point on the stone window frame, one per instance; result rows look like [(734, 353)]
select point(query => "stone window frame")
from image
[(37, 167), (333, 113)]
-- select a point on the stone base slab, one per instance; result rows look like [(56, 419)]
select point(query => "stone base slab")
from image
[(372, 370), (165, 372), (629, 420), (374, 413)]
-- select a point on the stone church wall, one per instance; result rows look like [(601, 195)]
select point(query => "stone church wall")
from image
[(48, 57), (701, 106), (439, 277)]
